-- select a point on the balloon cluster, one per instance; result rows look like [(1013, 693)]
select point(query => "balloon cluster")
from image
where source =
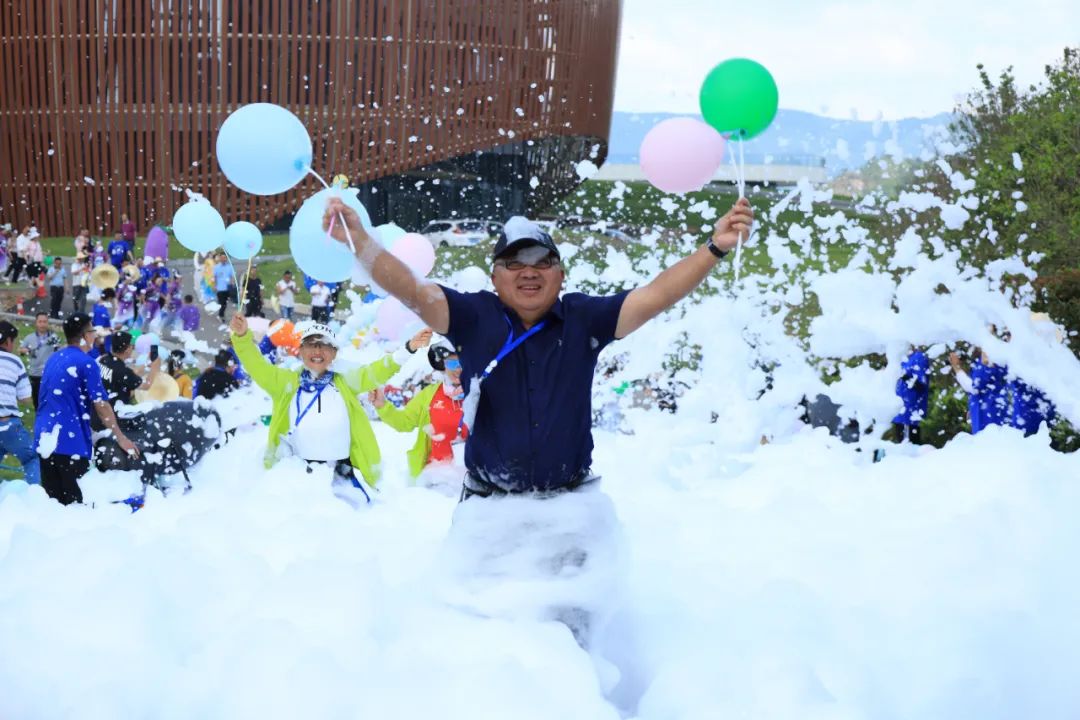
[(738, 99), (264, 149)]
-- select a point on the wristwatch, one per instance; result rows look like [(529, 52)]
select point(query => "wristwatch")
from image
[(715, 250)]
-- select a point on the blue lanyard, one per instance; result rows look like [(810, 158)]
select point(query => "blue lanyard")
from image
[(511, 344), (300, 415)]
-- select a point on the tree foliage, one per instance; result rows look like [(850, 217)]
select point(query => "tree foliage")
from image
[(1021, 147)]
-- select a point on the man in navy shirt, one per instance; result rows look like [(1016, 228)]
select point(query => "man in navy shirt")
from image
[(71, 389), (531, 431)]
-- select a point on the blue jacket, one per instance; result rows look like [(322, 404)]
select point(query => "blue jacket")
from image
[(914, 389), (988, 403), (1030, 407)]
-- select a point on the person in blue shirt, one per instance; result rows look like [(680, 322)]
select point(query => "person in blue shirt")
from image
[(119, 251), (1030, 407), (223, 283), (531, 430), (57, 277), (71, 389), (913, 388), (987, 387)]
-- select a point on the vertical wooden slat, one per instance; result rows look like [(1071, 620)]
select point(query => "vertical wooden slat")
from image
[(19, 110), (7, 118), (131, 93), (139, 41)]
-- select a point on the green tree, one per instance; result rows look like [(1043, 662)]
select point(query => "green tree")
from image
[(1021, 148)]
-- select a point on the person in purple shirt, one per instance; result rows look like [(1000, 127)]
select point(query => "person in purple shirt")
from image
[(189, 314), (99, 256), (152, 301), (125, 304), (127, 231), (171, 301)]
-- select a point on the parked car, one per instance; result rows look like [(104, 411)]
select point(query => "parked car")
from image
[(457, 233), (619, 235)]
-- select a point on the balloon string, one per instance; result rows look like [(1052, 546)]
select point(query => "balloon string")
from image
[(348, 235), (319, 177), (247, 278), (236, 279), (738, 168)]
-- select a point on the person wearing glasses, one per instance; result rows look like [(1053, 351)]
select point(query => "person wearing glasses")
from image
[(528, 353), (316, 415), (435, 412), (532, 350), (71, 391)]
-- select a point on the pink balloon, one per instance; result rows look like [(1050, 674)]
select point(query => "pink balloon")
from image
[(416, 251), (157, 243), (681, 154), (392, 319)]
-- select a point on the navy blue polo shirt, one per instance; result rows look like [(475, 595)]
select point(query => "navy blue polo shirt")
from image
[(533, 426)]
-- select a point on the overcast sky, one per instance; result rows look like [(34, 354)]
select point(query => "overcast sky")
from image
[(902, 58)]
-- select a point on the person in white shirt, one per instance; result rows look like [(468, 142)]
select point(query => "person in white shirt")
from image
[(320, 302), (15, 395), (18, 254), (35, 257), (286, 292), (80, 281)]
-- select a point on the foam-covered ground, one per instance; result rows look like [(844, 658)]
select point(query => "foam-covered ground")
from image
[(724, 578), (797, 580)]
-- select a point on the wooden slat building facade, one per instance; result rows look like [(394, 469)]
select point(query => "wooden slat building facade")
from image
[(433, 107)]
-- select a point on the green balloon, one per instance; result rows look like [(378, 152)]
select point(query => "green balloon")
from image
[(48, 260), (739, 97)]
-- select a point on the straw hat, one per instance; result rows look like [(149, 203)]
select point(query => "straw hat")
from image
[(105, 276), (163, 389), (132, 272)]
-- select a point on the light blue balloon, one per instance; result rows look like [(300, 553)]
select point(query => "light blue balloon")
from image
[(263, 149), (198, 226), (315, 253), (242, 240)]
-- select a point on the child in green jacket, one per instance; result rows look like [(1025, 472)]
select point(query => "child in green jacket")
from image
[(435, 412)]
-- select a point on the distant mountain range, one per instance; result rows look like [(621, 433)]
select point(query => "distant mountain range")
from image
[(797, 137)]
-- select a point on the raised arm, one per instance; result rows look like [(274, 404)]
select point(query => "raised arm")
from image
[(378, 373), (408, 418), (675, 283), (266, 375), (424, 298)]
